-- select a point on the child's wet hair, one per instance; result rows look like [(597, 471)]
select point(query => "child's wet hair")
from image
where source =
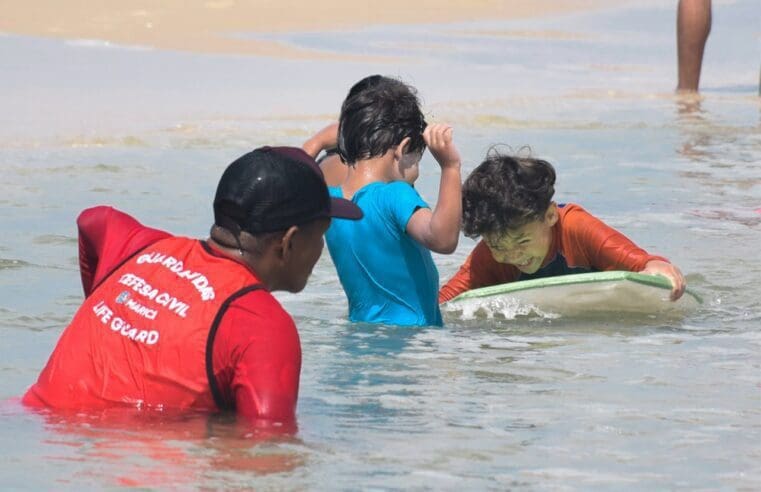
[(363, 84), (377, 114), (506, 192)]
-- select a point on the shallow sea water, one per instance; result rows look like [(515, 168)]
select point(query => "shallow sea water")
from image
[(524, 403)]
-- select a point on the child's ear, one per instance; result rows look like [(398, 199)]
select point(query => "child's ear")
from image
[(551, 216), (402, 148)]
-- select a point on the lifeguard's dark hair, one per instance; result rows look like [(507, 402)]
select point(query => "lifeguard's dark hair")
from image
[(506, 192), (377, 114)]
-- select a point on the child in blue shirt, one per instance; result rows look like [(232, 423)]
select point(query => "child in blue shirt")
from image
[(384, 260)]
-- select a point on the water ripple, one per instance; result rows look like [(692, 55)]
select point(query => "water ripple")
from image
[(9, 263)]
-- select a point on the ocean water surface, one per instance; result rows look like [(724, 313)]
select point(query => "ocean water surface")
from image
[(519, 402)]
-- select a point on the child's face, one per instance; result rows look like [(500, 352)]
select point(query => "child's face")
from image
[(524, 247)]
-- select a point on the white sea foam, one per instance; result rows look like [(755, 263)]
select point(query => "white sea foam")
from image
[(103, 44), (499, 308)]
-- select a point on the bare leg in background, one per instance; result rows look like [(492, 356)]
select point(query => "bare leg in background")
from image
[(693, 24)]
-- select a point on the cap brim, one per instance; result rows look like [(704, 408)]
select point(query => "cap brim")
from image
[(342, 208)]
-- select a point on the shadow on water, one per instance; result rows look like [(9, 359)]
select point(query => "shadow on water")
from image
[(589, 324), (365, 339), (366, 351), (369, 368)]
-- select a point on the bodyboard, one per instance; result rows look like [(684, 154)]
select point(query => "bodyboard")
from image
[(577, 294)]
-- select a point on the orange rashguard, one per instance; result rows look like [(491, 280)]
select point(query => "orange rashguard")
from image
[(580, 243)]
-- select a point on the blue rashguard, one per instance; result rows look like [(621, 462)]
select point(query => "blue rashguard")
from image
[(388, 277)]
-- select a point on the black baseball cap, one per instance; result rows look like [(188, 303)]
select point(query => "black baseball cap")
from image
[(273, 188)]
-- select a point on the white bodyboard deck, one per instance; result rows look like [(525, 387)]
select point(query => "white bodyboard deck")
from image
[(578, 294)]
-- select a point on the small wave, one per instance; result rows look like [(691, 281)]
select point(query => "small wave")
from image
[(54, 239), (747, 217), (545, 34), (100, 142), (8, 263), (499, 121), (103, 44), (75, 169), (90, 43), (32, 322)]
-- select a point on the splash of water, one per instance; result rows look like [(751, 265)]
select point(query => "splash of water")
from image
[(495, 308)]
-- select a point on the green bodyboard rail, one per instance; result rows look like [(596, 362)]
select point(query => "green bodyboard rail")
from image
[(574, 279)]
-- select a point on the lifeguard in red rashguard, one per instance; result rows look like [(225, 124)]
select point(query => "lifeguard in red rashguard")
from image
[(181, 323)]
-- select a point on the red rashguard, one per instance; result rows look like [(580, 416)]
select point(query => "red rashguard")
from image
[(580, 243), (107, 238), (256, 354)]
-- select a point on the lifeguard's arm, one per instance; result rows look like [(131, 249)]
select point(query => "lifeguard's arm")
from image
[(257, 360), (439, 230), (107, 237), (693, 24), (326, 138), (480, 269), (605, 248)]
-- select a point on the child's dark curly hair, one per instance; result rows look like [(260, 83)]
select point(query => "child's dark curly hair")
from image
[(506, 192), (377, 114)]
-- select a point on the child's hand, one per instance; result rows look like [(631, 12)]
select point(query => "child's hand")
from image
[(438, 137), (327, 138), (663, 268)]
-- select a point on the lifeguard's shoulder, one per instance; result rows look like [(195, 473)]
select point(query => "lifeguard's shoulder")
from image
[(100, 214), (262, 308), (93, 214)]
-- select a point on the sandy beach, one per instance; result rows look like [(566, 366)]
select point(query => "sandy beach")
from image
[(229, 26)]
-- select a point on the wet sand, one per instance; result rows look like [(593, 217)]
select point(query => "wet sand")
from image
[(229, 26)]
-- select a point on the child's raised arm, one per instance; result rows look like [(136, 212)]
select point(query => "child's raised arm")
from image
[(324, 139), (439, 230), (333, 169)]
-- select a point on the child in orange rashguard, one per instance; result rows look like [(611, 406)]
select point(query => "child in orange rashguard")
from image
[(507, 201)]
